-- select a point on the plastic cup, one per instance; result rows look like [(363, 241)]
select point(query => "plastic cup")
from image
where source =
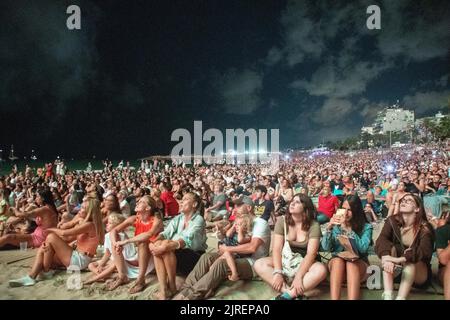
[(23, 246)]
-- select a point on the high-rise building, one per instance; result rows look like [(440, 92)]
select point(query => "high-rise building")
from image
[(398, 120)]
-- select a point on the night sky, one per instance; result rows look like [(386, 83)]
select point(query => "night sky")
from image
[(137, 70)]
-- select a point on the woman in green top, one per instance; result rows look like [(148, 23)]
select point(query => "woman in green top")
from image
[(301, 233), (352, 225), (179, 247)]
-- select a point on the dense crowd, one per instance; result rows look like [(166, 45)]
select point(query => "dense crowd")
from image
[(155, 218)]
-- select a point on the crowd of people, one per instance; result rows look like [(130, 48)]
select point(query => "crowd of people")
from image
[(318, 210)]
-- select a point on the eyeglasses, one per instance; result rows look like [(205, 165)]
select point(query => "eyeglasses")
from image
[(408, 200)]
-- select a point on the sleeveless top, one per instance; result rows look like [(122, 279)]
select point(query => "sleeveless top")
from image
[(141, 227)]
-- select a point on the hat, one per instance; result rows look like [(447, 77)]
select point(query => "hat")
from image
[(244, 200)]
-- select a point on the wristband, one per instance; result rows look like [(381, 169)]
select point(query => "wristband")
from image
[(277, 271)]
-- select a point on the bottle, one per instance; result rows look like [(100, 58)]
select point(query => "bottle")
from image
[(100, 251)]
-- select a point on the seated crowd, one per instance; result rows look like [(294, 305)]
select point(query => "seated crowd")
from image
[(322, 211)]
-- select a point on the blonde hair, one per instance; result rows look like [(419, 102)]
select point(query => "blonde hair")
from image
[(242, 210), (116, 218), (94, 215), (246, 221)]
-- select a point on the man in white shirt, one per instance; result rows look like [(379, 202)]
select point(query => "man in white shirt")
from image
[(210, 271)]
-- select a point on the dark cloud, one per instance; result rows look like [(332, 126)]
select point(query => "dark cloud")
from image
[(138, 70), (240, 91)]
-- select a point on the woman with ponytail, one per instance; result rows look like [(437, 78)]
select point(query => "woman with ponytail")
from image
[(147, 225)]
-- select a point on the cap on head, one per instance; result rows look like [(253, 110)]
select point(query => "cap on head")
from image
[(244, 200)]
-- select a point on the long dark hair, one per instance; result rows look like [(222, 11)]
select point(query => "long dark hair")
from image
[(358, 219), (421, 218), (308, 215), (47, 198)]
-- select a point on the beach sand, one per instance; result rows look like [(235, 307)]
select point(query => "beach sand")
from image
[(15, 264)]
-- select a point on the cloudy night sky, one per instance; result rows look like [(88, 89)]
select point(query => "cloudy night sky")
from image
[(137, 70)]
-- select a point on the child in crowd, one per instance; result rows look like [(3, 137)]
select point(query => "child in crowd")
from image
[(103, 268), (238, 234)]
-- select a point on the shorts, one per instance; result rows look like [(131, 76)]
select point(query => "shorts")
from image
[(80, 260), (186, 260)]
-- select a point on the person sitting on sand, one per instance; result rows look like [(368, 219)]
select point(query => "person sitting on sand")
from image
[(301, 271), (210, 271), (180, 246), (443, 253), (238, 234), (45, 217), (148, 224), (155, 193), (405, 247), (56, 252), (104, 267), (328, 204), (171, 207), (218, 210), (350, 225)]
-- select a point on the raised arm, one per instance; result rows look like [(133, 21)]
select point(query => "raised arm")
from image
[(69, 233), (29, 214), (115, 231), (243, 238)]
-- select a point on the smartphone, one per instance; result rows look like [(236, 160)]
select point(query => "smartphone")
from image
[(340, 212)]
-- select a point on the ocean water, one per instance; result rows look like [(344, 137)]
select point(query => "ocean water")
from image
[(6, 166)]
